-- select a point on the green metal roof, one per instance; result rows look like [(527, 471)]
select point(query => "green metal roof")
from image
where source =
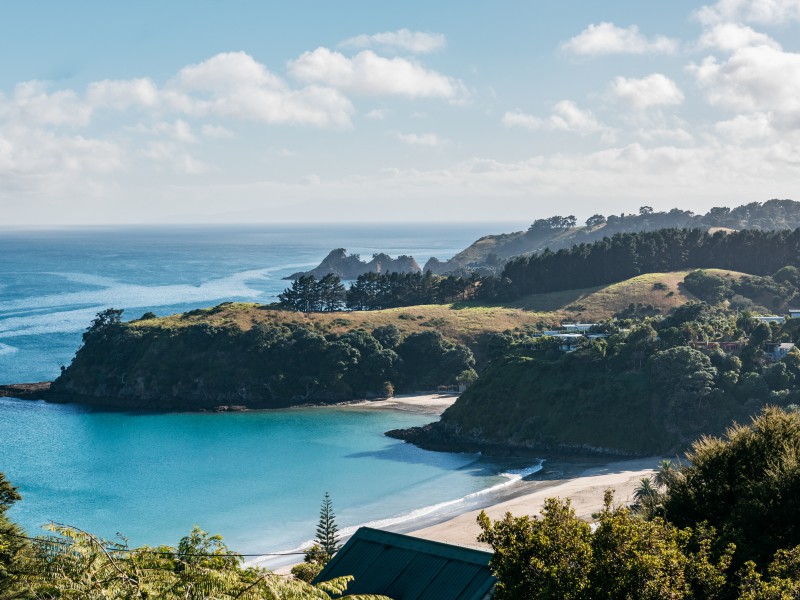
[(408, 568)]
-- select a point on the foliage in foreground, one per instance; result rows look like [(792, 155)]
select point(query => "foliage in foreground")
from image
[(76, 564), (722, 526)]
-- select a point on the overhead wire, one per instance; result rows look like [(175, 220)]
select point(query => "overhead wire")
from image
[(177, 553)]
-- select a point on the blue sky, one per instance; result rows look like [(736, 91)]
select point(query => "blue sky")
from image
[(116, 112)]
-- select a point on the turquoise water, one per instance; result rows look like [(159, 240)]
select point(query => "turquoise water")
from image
[(258, 477)]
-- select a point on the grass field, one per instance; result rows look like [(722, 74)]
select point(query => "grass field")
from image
[(462, 322)]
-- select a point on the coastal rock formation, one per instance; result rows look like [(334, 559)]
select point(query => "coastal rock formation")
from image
[(350, 267)]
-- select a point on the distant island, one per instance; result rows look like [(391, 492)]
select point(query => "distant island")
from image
[(350, 267)]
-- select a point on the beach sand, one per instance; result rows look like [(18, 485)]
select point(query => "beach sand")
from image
[(428, 404), (582, 480), (585, 491)]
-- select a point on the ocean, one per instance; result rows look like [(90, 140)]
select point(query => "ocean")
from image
[(257, 478)]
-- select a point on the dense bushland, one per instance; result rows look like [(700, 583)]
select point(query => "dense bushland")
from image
[(652, 385), (201, 366), (722, 526)]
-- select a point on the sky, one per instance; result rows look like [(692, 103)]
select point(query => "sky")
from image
[(246, 112)]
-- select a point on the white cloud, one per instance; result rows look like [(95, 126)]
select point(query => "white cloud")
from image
[(729, 37), (378, 114), (417, 42), (33, 160), (235, 85), (122, 94), (566, 116), (190, 165), (216, 132), (759, 78), (32, 104), (179, 130), (430, 140), (607, 38), (765, 12), (677, 134), (746, 128), (370, 74), (653, 90)]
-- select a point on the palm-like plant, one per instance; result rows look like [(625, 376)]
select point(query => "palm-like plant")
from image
[(666, 475)]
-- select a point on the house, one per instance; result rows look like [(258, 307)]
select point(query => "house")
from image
[(577, 327), (568, 341), (781, 350), (794, 313), (409, 568), (771, 319)]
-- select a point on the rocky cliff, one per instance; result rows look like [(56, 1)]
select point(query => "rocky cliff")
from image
[(345, 266)]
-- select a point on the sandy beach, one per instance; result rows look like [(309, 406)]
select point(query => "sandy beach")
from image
[(585, 490), (429, 404), (582, 480)]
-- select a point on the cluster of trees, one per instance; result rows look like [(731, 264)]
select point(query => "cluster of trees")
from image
[(547, 233), (627, 255), (553, 224), (723, 526), (71, 563), (306, 294), (375, 291), (270, 365), (652, 385), (612, 259), (775, 292), (768, 216)]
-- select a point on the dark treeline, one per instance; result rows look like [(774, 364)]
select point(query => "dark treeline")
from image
[(203, 366), (627, 255), (612, 259), (375, 291)]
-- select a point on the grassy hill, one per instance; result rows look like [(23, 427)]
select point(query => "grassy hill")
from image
[(462, 322)]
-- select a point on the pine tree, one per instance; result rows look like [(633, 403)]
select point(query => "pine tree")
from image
[(327, 530)]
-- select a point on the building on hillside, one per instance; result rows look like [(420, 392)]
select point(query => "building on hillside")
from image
[(771, 319), (577, 327), (568, 341), (403, 567), (778, 351), (794, 313)]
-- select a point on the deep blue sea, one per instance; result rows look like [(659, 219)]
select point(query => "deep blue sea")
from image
[(257, 478)]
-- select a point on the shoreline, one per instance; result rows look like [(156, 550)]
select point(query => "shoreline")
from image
[(582, 479), (433, 404), (585, 489), (584, 482)]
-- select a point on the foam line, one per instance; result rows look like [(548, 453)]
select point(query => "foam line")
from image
[(512, 477)]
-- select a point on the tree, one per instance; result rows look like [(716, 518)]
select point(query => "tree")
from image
[(543, 558), (12, 545), (327, 530), (331, 292), (746, 485), (645, 210), (105, 322), (304, 295), (595, 221)]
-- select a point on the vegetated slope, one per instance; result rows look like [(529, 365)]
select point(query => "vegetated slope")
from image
[(488, 254), (252, 355), (651, 385)]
